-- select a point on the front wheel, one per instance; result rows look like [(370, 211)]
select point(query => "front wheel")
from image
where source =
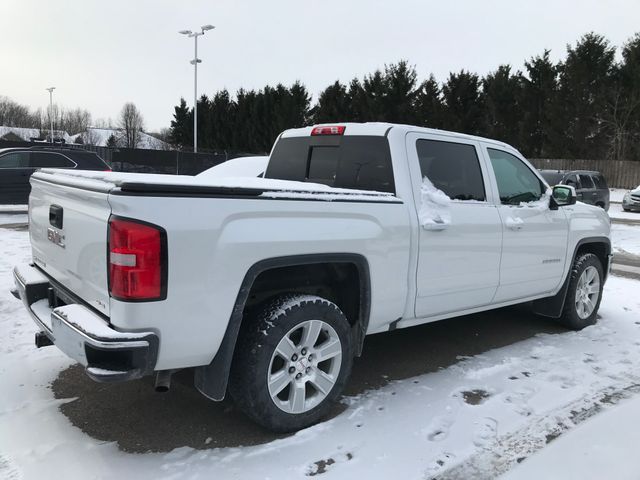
[(584, 292), (291, 362)]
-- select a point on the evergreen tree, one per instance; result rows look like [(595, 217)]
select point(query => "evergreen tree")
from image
[(358, 101), (429, 110), (399, 98), (501, 93), (181, 131), (333, 105), (112, 141), (538, 96), (463, 104), (623, 115), (586, 81)]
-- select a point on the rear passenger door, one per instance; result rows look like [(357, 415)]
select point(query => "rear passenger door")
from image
[(459, 256), (14, 177)]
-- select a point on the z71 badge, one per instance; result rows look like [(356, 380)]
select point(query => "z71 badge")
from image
[(55, 237)]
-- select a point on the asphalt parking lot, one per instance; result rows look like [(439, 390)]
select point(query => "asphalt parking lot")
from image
[(140, 420)]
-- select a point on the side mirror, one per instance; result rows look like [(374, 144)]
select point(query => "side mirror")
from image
[(564, 195)]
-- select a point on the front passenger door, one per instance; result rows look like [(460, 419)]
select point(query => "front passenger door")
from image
[(534, 243)]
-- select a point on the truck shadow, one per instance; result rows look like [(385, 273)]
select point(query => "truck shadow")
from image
[(140, 420)]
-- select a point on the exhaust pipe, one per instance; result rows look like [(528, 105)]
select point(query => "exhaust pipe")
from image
[(163, 381)]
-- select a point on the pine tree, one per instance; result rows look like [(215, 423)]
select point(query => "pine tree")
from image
[(333, 105), (538, 96), (501, 94), (586, 81), (112, 141), (429, 110), (463, 104), (182, 126), (400, 93), (623, 114)]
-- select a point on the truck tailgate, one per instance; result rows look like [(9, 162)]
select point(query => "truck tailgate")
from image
[(68, 229)]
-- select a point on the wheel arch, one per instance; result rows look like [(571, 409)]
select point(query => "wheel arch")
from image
[(599, 246), (211, 380)]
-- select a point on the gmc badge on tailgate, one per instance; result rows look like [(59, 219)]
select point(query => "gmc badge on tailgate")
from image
[(55, 237)]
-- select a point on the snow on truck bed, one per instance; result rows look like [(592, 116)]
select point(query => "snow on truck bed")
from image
[(266, 187)]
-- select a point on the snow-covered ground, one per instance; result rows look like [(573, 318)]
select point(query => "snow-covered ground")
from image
[(603, 447), (616, 211), (13, 218), (626, 239), (616, 194), (476, 419)]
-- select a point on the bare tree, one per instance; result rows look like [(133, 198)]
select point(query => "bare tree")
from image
[(131, 123), (90, 137), (13, 114), (76, 121)]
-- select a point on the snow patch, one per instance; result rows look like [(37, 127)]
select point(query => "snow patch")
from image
[(435, 205), (541, 204)]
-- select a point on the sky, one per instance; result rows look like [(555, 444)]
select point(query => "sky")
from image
[(100, 54)]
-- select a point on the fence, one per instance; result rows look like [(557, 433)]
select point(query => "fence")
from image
[(619, 173)]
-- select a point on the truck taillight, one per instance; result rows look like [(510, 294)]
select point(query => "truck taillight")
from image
[(137, 255), (332, 130)]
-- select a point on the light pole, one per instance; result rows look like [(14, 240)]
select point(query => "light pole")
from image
[(195, 63), (50, 90)]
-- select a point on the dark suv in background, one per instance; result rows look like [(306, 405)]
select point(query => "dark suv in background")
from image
[(17, 165), (591, 187)]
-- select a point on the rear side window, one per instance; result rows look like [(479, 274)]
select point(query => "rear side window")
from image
[(357, 161), (516, 182), (453, 168), (88, 160), (600, 181), (15, 160), (586, 182), (49, 160), (552, 178), (572, 180)]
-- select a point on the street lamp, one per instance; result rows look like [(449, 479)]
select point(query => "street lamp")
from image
[(195, 63), (50, 90)]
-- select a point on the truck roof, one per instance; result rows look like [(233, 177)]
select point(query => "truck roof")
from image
[(383, 128)]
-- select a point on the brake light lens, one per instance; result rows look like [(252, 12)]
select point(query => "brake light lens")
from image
[(332, 130), (137, 260)]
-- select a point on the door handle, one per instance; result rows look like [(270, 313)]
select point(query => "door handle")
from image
[(435, 227)]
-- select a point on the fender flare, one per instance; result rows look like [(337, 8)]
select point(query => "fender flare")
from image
[(211, 380), (552, 306)]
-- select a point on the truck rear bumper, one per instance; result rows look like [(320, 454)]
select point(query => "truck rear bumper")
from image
[(108, 354)]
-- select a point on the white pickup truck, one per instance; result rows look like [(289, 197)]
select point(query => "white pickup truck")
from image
[(268, 286)]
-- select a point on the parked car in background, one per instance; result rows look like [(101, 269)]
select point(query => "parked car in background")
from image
[(237, 167), (631, 200), (591, 187), (17, 165)]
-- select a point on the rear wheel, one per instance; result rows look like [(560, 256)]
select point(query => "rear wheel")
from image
[(584, 292), (291, 362)]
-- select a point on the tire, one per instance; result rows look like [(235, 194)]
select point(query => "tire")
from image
[(268, 387), (626, 209), (586, 281)]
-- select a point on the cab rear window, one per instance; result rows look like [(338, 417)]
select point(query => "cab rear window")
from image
[(358, 162)]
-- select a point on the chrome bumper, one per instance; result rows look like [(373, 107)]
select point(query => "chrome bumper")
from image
[(108, 354)]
